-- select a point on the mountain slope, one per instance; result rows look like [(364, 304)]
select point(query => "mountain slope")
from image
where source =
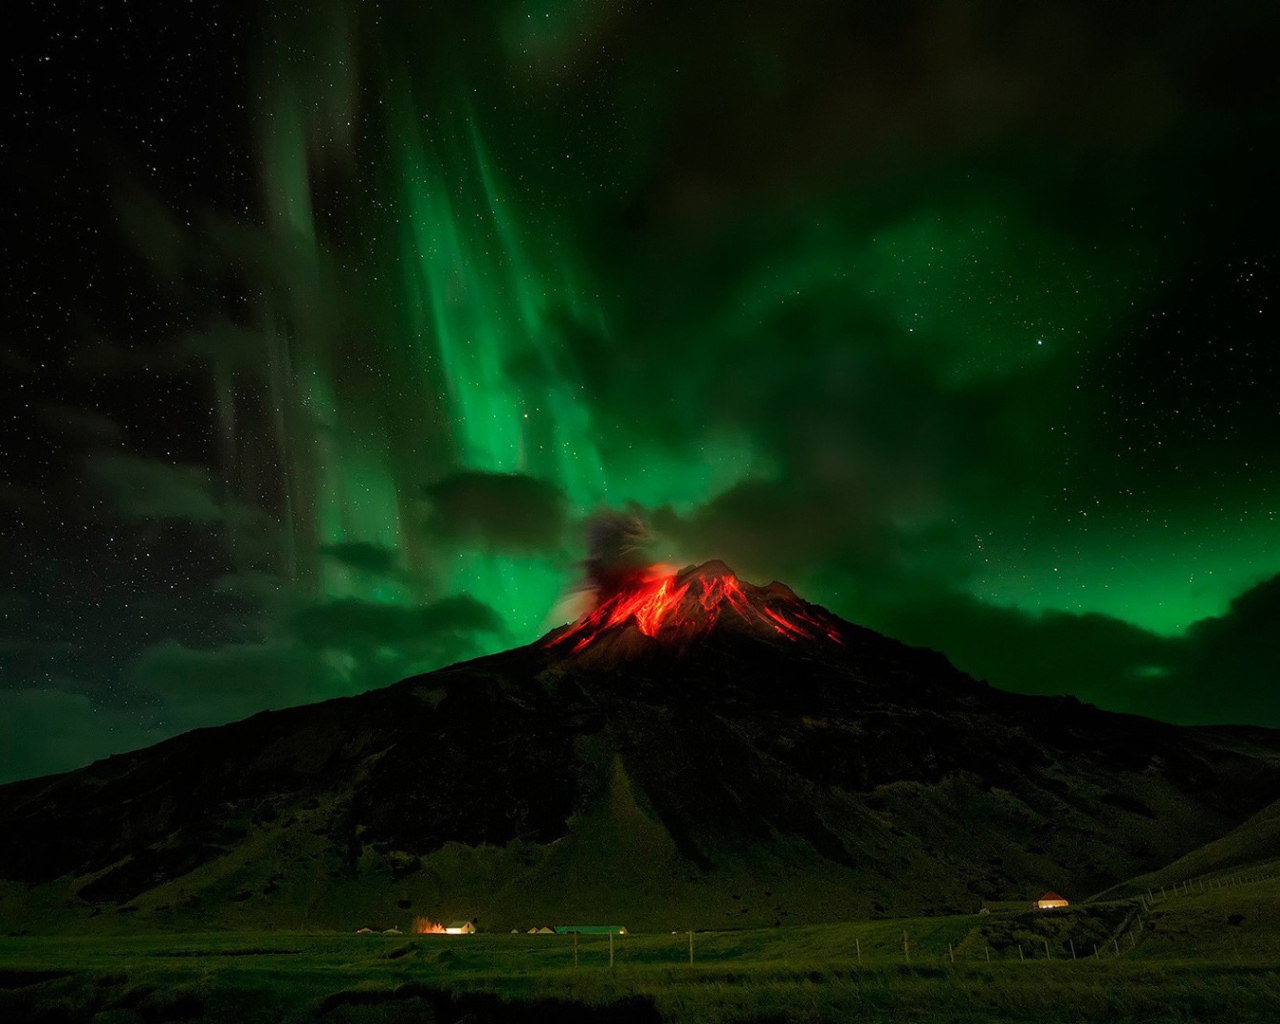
[(697, 752)]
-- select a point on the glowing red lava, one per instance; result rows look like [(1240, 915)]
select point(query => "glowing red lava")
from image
[(695, 601)]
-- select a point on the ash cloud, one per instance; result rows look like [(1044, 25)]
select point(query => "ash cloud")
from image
[(619, 550)]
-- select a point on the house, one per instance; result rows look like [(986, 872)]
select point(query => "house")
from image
[(1050, 901), (590, 929), (460, 928), (544, 930)]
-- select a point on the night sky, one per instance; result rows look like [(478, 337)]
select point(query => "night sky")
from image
[(326, 326)]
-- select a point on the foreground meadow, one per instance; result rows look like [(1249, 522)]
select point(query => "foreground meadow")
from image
[(1198, 956)]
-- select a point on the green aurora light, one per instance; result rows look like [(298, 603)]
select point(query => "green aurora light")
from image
[(900, 369), (330, 333), (468, 308)]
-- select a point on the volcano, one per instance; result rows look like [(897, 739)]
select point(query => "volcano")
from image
[(695, 752), (679, 607)]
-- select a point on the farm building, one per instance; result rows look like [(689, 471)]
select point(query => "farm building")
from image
[(460, 928), (1050, 901)]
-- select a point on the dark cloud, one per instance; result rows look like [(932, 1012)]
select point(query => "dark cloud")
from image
[(151, 227), (1095, 657), (1222, 669), (257, 587), (27, 656), (153, 489), (83, 425), (503, 511), (780, 530), (451, 623), (810, 96), (48, 730), (104, 358), (19, 498), (229, 346), (1230, 671), (371, 558), (201, 687), (330, 650), (150, 489), (13, 607), (15, 362)]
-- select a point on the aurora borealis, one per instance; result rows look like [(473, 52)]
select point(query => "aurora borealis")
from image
[(330, 324)]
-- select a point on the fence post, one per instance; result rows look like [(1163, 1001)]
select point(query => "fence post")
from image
[(1116, 942), (1095, 951), (858, 944), (1073, 948), (1047, 954), (951, 953), (987, 949), (1020, 956), (690, 947), (906, 949)]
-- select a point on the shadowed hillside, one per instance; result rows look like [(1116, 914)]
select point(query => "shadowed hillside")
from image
[(697, 752)]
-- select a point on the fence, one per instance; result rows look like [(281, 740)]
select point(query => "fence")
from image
[(1104, 931), (1202, 883)]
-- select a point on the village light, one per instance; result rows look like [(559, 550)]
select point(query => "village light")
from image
[(426, 926)]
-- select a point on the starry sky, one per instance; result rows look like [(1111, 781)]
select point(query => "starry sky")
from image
[(327, 326)]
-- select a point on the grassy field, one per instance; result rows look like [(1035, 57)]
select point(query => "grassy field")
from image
[(1195, 956)]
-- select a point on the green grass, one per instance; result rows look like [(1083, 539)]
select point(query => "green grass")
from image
[(1197, 956)]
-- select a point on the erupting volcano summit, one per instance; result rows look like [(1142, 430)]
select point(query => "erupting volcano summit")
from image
[(688, 603)]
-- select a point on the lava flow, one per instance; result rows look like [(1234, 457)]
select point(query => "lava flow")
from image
[(694, 600)]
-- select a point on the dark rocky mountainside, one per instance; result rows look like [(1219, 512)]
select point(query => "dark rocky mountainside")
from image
[(697, 752)]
